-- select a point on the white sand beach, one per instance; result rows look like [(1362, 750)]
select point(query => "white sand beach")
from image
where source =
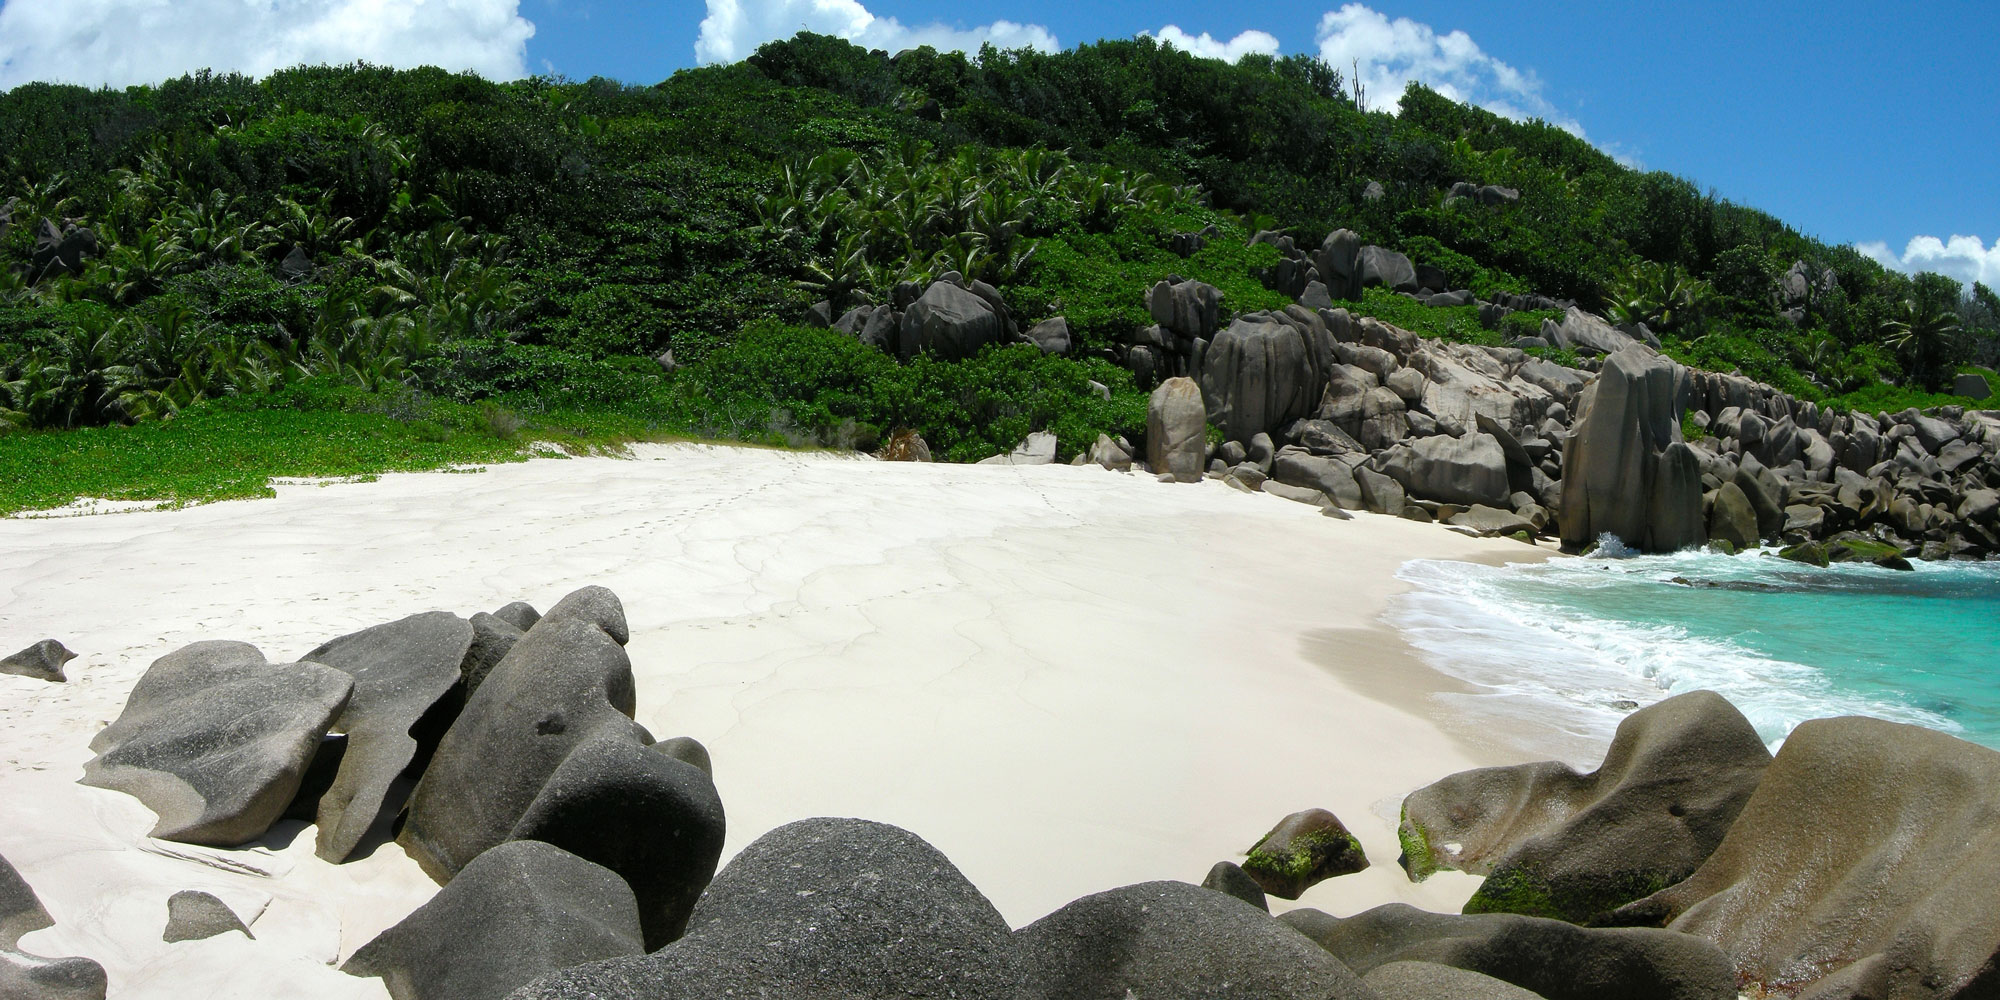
[(1066, 679)]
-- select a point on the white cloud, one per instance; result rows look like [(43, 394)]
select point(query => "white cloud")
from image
[(734, 28), (1209, 47), (123, 42), (1391, 54), (1966, 258)]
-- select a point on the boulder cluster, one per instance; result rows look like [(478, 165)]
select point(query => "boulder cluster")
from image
[(578, 857)]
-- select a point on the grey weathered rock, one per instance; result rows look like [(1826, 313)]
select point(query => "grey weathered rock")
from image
[(30, 977), (1038, 448), (1615, 478), (519, 614), (1550, 958), (651, 818), (823, 907), (949, 322), (1261, 374), (1387, 268), (597, 606), (1555, 843), (196, 916), (1339, 262), (687, 750), (1176, 430), (1051, 335), (1303, 850), (1465, 470), (1971, 386), (1851, 872), (215, 740), (492, 638), (1231, 880), (402, 671), (43, 661), (1379, 493), (1329, 476), (1172, 939), (1429, 981), (1373, 192), (521, 910), (1111, 454), (1731, 519), (567, 682), (1580, 329), (1490, 521), (1188, 309), (21, 911), (1494, 194)]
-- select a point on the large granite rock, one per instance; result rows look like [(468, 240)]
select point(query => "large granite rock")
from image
[(1051, 335), (1387, 268), (1303, 850), (1861, 867), (1731, 518), (43, 661), (521, 910), (1186, 309), (1261, 374), (30, 977), (1464, 470), (1581, 330), (21, 911), (653, 819), (1172, 939), (1231, 880), (1551, 958), (402, 671), (215, 740), (567, 682), (492, 638), (193, 915), (1329, 476), (1971, 386), (950, 323), (824, 908), (1621, 474), (1177, 430), (1555, 843), (1339, 262), (1429, 981)]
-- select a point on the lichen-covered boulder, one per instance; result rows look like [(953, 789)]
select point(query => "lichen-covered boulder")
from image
[(518, 911), (1550, 958), (215, 740), (1555, 843), (1862, 867), (1303, 850), (1172, 939)]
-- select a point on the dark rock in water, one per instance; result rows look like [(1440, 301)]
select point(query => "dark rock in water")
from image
[(596, 605), (215, 740), (197, 916), (655, 820), (21, 910), (1231, 880), (519, 911), (43, 661), (1427, 981), (1303, 850), (1731, 518), (1550, 958), (1810, 553), (565, 683), (1626, 470), (1862, 867), (1555, 843), (824, 908), (28, 977), (687, 750), (519, 614), (1171, 939), (492, 638), (401, 671)]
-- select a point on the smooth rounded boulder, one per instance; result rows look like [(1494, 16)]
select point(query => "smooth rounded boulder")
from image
[(1303, 850), (21, 911), (1230, 879), (1861, 867), (402, 670), (43, 661), (1259, 375), (1172, 939), (215, 740), (823, 907), (193, 915), (1176, 430), (518, 911), (1462, 470), (654, 820), (1555, 843), (949, 323), (31, 977)]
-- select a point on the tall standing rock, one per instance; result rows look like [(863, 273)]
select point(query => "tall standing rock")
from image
[(1259, 375), (1619, 475), (1177, 430)]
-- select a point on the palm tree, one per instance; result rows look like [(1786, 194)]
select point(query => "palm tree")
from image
[(1925, 336)]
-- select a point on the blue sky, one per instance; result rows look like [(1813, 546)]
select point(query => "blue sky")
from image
[(1862, 123)]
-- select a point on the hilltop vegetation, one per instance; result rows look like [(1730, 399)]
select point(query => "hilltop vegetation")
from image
[(532, 247)]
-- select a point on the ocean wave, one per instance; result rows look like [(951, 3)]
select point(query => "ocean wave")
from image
[(1573, 645)]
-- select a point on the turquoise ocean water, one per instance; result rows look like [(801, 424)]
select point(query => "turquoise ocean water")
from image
[(1570, 643)]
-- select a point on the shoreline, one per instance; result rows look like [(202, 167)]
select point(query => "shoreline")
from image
[(1066, 679)]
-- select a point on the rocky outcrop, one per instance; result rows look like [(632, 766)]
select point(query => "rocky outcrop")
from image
[(1622, 474), (215, 740), (43, 661), (1555, 843), (1386, 268), (951, 321), (402, 671), (1231, 880), (1467, 470), (1172, 939), (1851, 872), (1264, 372), (835, 907), (1549, 958), (1303, 850), (517, 912)]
